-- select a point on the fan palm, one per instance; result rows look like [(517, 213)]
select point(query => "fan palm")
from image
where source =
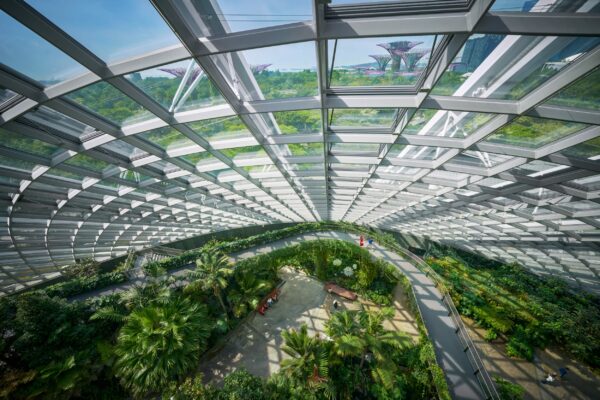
[(309, 354), (211, 273), (160, 343), (156, 291), (248, 295), (360, 333)]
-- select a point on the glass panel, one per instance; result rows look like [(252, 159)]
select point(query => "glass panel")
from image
[(87, 162), (179, 86), (355, 149), (217, 129), (585, 93), (546, 6), (362, 117), (32, 56), (538, 168), (245, 153), (61, 173), (480, 159), (305, 167), (12, 162), (5, 95), (398, 172), (124, 149), (168, 138), (111, 103), (133, 176), (409, 152), (112, 31), (299, 149), (60, 125), (245, 15), (302, 121), (589, 150), (389, 61), (509, 66), (280, 71), (26, 144), (533, 132), (445, 123)]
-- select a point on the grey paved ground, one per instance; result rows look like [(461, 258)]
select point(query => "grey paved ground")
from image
[(461, 381), (256, 345)]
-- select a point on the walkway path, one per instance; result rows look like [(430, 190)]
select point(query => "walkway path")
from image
[(461, 380)]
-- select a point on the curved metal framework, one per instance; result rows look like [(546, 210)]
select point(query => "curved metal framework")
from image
[(486, 148)]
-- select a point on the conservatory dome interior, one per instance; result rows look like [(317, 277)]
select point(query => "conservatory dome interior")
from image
[(470, 123)]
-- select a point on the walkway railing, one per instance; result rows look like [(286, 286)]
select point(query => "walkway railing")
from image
[(483, 377)]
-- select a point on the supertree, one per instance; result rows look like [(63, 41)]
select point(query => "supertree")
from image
[(259, 68), (412, 57), (180, 72), (382, 61), (396, 49)]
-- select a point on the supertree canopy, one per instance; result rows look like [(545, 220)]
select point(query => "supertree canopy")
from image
[(412, 57), (259, 68), (382, 61), (180, 72), (397, 49)]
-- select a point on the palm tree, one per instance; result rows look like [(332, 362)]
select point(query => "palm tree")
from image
[(155, 291), (161, 343), (308, 353), (361, 334), (248, 295), (212, 272)]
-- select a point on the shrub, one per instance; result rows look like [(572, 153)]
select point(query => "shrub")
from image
[(84, 284), (508, 390), (490, 335), (241, 385), (517, 346)]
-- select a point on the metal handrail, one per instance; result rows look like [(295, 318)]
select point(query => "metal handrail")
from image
[(483, 377)]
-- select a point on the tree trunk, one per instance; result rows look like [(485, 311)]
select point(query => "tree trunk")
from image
[(218, 294)]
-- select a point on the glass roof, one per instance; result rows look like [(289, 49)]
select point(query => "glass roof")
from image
[(260, 112)]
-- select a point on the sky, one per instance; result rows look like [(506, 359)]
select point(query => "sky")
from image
[(119, 29)]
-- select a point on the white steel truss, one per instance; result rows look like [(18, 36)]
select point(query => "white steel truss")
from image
[(498, 161)]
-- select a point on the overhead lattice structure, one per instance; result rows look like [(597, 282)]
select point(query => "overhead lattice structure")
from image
[(125, 126)]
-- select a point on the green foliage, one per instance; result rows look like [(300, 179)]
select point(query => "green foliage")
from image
[(250, 289), (83, 269), (161, 343), (55, 349), (212, 272), (508, 390), (309, 356), (241, 385), (48, 347), (491, 335), (528, 310), (190, 389), (82, 284)]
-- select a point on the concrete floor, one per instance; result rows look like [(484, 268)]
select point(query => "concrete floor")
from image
[(256, 344)]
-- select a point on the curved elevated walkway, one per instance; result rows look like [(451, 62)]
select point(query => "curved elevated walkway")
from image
[(462, 382)]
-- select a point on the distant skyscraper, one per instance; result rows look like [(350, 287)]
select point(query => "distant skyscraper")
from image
[(477, 49)]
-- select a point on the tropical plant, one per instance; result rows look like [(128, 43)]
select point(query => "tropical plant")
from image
[(211, 273), (160, 343), (309, 360), (241, 385), (250, 290), (65, 378), (190, 389), (86, 267), (508, 390), (360, 334)]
